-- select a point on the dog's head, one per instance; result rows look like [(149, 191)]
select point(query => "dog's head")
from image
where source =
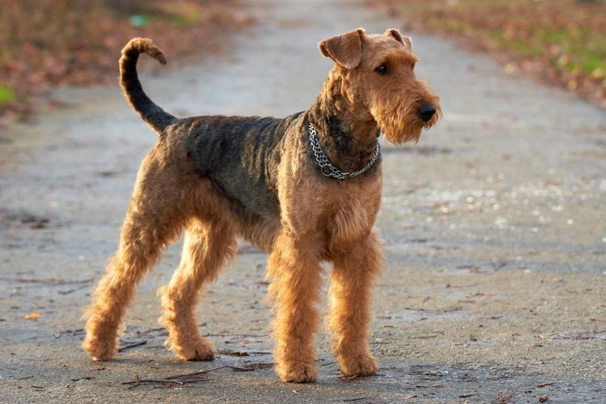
[(378, 82)]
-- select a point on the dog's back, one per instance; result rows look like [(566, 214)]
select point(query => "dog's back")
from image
[(222, 148)]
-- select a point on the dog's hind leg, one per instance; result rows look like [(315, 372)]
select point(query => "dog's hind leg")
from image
[(154, 219), (209, 246)]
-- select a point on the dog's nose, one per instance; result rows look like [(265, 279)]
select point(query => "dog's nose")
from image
[(426, 112)]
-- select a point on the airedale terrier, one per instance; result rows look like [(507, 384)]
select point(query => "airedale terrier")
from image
[(306, 189)]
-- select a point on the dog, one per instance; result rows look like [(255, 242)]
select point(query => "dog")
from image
[(306, 189)]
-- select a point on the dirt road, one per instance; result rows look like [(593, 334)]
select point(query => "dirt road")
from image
[(494, 226)]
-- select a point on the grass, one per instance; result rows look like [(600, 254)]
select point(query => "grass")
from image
[(6, 95), (564, 40)]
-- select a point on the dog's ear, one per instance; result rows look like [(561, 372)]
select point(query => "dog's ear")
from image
[(404, 40), (345, 49)]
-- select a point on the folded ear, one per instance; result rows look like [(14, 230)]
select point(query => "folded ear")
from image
[(404, 40), (345, 49)]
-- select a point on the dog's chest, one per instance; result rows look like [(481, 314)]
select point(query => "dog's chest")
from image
[(353, 215)]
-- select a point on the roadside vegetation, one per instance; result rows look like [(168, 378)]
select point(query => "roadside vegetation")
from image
[(560, 42), (46, 43)]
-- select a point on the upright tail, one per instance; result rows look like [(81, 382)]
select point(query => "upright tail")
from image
[(152, 114)]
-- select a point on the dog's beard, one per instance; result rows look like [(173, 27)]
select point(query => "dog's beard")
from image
[(399, 132), (404, 125), (401, 122)]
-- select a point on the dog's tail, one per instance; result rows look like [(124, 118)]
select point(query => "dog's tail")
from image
[(152, 114)]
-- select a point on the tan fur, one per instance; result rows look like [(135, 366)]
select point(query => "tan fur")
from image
[(319, 219)]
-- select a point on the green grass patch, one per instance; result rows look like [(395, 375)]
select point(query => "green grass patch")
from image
[(591, 62), (6, 95)]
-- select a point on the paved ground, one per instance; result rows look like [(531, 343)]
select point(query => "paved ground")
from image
[(494, 224)]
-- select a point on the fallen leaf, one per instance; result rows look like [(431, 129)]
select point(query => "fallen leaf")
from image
[(467, 395), (545, 384), (542, 399)]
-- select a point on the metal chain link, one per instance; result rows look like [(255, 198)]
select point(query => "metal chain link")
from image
[(326, 167)]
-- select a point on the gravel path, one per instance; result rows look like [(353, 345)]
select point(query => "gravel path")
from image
[(494, 226)]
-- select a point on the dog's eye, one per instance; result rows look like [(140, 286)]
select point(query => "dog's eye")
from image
[(381, 69)]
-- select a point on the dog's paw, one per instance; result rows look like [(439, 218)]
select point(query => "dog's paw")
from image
[(363, 365), (100, 349), (297, 372), (200, 350)]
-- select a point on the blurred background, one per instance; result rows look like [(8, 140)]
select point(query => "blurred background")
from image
[(45, 43), (77, 42)]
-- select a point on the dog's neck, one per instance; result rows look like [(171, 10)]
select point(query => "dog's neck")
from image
[(348, 137)]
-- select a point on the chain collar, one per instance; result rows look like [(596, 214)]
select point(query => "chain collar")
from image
[(326, 167)]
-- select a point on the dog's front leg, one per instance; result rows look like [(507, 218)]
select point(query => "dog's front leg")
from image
[(295, 289), (351, 283)]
